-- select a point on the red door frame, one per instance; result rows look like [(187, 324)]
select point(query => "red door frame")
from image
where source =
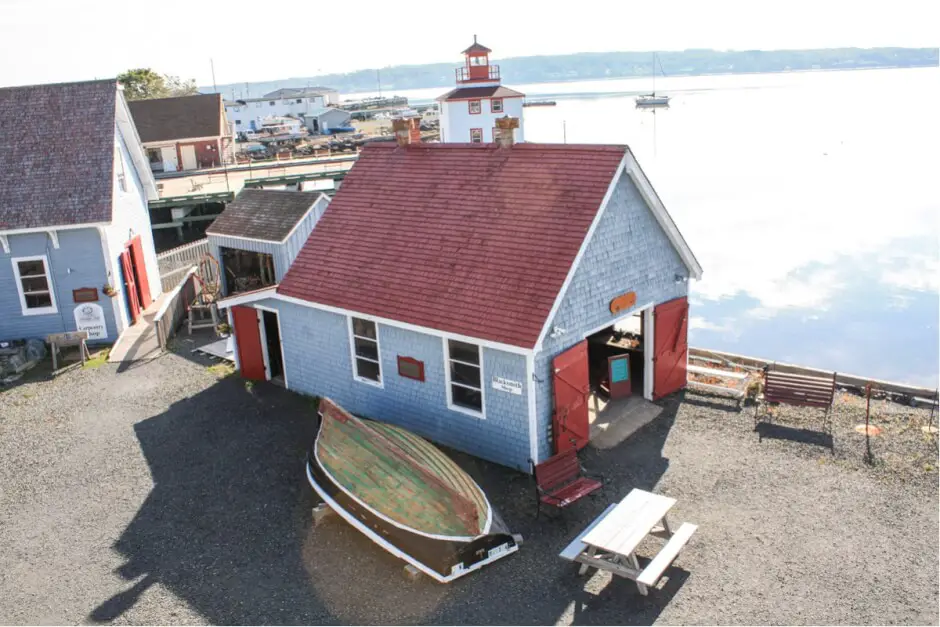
[(248, 339), (671, 346), (130, 285), (572, 387), (136, 248)]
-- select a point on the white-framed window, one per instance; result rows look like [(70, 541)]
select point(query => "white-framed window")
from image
[(364, 349), (34, 285), (474, 106), (464, 370), (476, 135), (496, 105)]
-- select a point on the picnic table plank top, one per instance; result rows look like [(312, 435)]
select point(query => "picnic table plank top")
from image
[(622, 529)]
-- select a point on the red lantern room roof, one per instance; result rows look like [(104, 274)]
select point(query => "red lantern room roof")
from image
[(477, 48)]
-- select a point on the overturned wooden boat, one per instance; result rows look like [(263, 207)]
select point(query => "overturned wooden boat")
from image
[(405, 495)]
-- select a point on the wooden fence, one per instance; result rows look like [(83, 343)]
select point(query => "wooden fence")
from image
[(175, 307), (176, 262)]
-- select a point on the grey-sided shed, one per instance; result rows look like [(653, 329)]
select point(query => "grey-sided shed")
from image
[(260, 233)]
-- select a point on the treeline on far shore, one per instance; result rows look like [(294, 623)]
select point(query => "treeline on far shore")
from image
[(597, 65)]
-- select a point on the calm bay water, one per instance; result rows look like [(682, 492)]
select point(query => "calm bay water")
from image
[(810, 199)]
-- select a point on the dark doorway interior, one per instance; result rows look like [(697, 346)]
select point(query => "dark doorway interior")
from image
[(245, 270), (273, 342), (623, 339)]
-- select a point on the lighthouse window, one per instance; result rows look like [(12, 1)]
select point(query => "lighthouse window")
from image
[(476, 135), (496, 105), (477, 60), (475, 106)]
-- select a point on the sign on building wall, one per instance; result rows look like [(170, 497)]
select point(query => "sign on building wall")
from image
[(507, 385), (89, 317)]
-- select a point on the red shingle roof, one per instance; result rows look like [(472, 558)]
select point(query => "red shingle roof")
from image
[(466, 238), (472, 93)]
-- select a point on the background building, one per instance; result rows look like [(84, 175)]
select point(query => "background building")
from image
[(247, 114)]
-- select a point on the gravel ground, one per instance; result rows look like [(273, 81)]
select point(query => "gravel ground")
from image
[(163, 494)]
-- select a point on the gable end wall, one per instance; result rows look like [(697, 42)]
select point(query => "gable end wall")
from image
[(628, 251)]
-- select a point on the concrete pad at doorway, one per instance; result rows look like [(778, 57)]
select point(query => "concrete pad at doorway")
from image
[(612, 422)]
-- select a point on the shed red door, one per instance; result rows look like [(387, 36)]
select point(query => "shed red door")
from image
[(140, 271), (671, 342), (248, 337), (572, 387), (130, 285)]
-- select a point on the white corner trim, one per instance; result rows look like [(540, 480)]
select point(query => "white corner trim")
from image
[(54, 238), (352, 354), (584, 245), (5, 243), (481, 415), (533, 416), (662, 216), (35, 311)]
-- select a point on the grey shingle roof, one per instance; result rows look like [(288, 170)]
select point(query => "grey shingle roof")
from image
[(168, 119), (264, 214), (56, 154)]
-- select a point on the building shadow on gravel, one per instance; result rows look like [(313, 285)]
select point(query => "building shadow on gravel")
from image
[(228, 530)]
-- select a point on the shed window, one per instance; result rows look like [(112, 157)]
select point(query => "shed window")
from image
[(33, 285), (496, 105), (364, 341), (410, 368), (464, 377), (271, 103), (299, 100), (475, 106), (476, 135)]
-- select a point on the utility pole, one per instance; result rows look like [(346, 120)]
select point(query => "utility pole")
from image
[(378, 79), (564, 131), (212, 65)]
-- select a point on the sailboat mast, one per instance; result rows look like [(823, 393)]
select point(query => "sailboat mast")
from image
[(654, 73)]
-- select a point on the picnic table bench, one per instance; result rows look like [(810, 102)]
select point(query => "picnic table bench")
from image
[(609, 543)]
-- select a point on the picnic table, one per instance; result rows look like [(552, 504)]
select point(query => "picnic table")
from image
[(610, 542)]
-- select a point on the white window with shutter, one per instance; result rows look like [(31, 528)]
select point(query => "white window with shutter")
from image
[(34, 285), (364, 349)]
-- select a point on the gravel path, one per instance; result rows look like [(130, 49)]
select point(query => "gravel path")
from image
[(163, 494)]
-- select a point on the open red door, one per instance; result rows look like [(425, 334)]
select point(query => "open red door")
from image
[(248, 337), (572, 387), (130, 285), (140, 271), (671, 341)]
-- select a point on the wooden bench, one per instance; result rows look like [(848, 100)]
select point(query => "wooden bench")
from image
[(560, 481), (655, 569), (799, 390)]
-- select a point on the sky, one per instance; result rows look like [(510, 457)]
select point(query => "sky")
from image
[(55, 40)]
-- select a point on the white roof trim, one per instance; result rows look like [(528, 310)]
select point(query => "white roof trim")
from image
[(662, 216), (584, 244), (43, 229), (629, 165), (271, 241), (248, 297)]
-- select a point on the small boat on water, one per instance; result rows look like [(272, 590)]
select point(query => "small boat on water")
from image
[(405, 495), (539, 103), (651, 99)]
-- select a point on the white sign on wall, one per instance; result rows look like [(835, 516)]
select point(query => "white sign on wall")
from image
[(89, 317), (507, 385)]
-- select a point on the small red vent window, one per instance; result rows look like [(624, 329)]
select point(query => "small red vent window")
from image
[(410, 368)]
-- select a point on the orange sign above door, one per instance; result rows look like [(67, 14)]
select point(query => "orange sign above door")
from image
[(623, 302)]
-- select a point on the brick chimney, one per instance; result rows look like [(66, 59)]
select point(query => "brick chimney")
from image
[(506, 127), (407, 131)]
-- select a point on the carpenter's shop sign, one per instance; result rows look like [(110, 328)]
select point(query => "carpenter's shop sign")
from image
[(89, 317), (623, 302), (507, 385)]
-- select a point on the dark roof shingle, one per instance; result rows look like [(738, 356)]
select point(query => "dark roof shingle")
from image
[(183, 117), (472, 93), (264, 214), (57, 154), (465, 238)]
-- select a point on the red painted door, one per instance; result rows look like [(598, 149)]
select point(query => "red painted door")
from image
[(130, 285), (140, 271), (248, 337), (620, 377), (572, 387), (671, 342)]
